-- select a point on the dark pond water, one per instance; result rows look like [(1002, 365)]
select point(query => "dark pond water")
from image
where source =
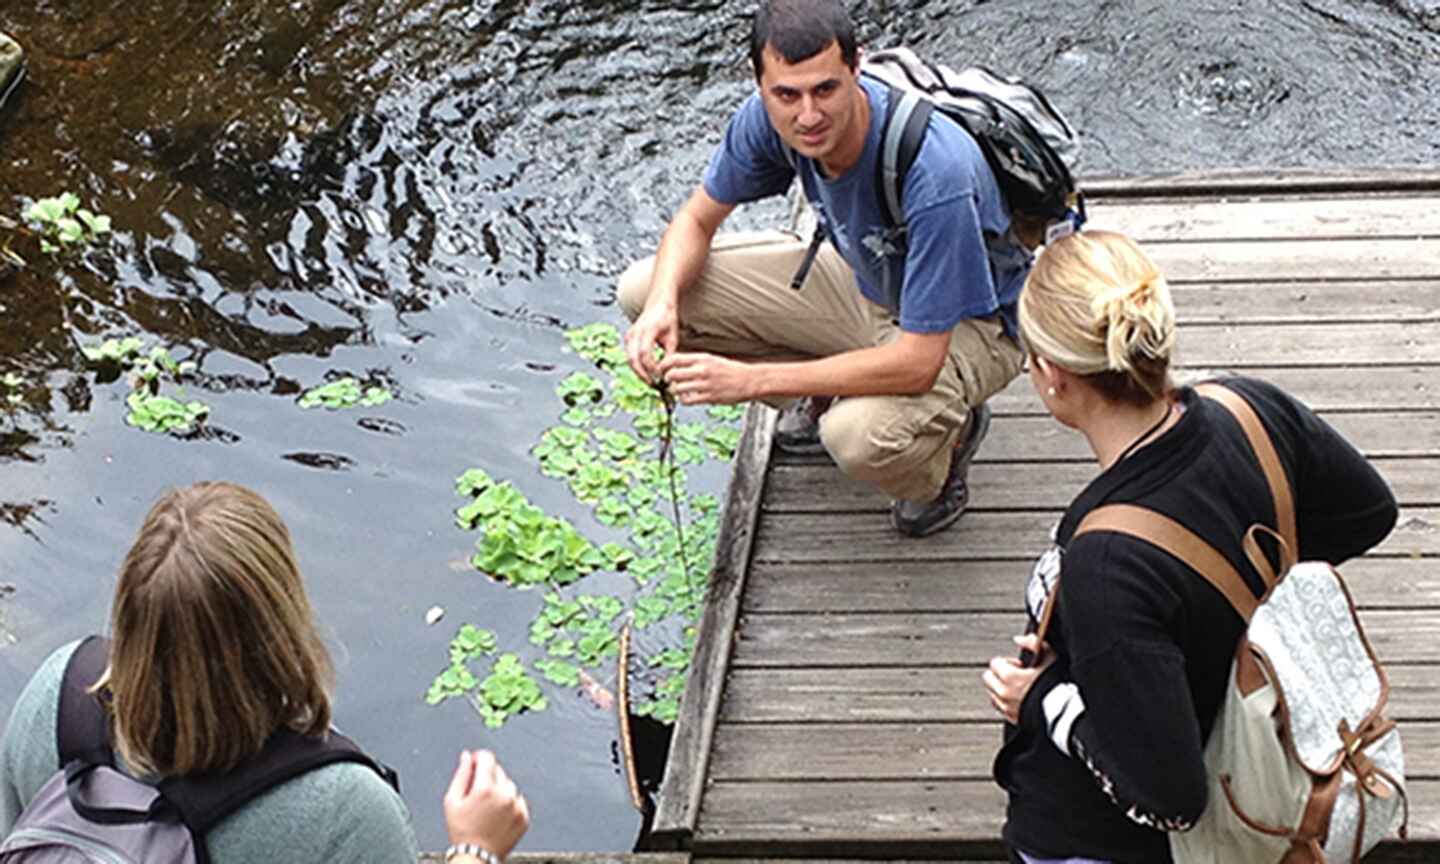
[(425, 195)]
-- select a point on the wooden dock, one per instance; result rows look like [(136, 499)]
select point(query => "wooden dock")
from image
[(834, 708)]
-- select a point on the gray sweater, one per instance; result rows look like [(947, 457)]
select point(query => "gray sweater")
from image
[(341, 812)]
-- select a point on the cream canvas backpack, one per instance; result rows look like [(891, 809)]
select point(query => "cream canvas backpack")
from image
[(1303, 766)]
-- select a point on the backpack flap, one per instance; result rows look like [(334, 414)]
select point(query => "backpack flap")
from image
[(1333, 691), (105, 796), (1326, 681), (97, 814)]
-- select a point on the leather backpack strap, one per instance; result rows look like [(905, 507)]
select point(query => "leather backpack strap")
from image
[(1167, 534), (1264, 451)]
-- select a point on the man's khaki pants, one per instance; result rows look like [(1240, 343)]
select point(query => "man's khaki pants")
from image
[(743, 307)]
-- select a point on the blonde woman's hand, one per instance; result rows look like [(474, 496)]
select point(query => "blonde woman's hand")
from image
[(482, 805), (1007, 681)]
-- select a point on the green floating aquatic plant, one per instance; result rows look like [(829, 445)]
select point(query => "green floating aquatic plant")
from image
[(12, 384), (149, 409), (618, 472), (154, 413), (506, 691), (119, 352), (63, 224), (559, 672), (344, 393), (470, 643)]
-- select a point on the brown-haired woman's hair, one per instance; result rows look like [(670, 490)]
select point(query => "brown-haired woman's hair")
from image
[(1096, 305), (214, 646)]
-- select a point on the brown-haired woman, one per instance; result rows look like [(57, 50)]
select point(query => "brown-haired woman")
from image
[(213, 651), (1105, 741)]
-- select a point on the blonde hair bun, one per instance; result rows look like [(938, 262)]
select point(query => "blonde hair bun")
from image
[(1095, 303)]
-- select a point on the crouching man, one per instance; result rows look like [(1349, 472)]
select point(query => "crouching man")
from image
[(890, 347)]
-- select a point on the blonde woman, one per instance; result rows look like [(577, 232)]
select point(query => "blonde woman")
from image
[(213, 667), (1107, 722)]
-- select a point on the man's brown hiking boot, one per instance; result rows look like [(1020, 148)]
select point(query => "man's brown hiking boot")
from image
[(922, 518)]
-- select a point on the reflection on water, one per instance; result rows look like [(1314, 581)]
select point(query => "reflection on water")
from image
[(424, 194)]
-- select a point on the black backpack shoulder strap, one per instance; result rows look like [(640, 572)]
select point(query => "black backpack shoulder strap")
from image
[(204, 801), (82, 728), (907, 117)]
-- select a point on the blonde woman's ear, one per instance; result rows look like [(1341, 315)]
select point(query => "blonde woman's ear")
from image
[(1048, 371)]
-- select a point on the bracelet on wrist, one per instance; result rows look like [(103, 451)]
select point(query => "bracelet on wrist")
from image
[(475, 850)]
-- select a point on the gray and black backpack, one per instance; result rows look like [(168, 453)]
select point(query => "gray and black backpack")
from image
[(91, 812), (1028, 144)]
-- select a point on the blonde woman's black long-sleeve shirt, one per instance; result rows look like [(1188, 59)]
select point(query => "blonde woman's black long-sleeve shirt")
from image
[(1109, 751)]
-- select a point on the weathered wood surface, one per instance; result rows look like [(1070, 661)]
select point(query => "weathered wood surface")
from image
[(901, 694), (1263, 303), (986, 535), (926, 750), (1314, 219), (1400, 387), (580, 858), (852, 721), (905, 817), (678, 802), (998, 483), (858, 639), (816, 588), (1295, 184)]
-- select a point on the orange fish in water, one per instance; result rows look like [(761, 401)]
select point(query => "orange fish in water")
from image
[(596, 692)]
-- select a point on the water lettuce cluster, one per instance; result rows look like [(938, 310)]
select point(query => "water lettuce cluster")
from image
[(608, 451)]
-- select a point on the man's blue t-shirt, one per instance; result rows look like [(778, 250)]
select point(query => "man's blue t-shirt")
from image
[(951, 203)]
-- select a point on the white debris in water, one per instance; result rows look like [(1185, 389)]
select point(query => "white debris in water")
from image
[(433, 616), (376, 220)]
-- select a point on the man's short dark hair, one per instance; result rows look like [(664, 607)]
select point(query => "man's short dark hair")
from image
[(799, 29)]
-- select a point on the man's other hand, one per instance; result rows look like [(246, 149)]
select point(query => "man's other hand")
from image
[(707, 379)]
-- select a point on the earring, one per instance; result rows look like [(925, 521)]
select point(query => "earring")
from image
[(1050, 391)]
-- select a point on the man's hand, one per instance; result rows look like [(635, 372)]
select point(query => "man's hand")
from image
[(707, 379), (1007, 681), (658, 325), (482, 805)]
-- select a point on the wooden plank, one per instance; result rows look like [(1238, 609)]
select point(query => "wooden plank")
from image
[(907, 694), (1248, 346), (678, 802), (1035, 436), (1289, 182), (582, 857), (996, 586), (921, 751), (1270, 302), (1380, 435), (866, 819), (1410, 217), (949, 818), (1006, 485), (982, 536), (1249, 260), (1400, 387), (947, 860), (1410, 636)]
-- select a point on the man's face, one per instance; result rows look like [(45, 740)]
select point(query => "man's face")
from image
[(816, 106)]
